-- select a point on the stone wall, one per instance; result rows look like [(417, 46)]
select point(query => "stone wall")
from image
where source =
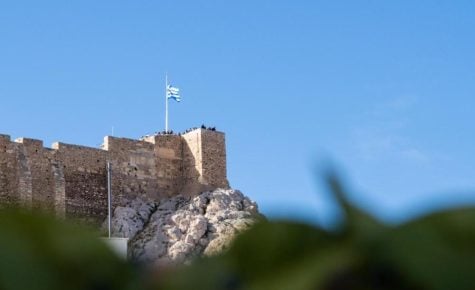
[(192, 158), (36, 172), (83, 170), (168, 151), (71, 180), (9, 167), (133, 168), (213, 159), (205, 155)]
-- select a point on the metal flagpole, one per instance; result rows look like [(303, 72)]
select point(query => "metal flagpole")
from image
[(166, 102), (109, 197)]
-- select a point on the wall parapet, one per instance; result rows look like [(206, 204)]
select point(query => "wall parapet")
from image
[(5, 137), (30, 142)]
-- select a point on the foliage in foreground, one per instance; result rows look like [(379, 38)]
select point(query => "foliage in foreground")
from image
[(39, 252), (435, 252)]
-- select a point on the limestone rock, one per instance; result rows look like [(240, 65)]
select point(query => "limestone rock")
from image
[(130, 219), (176, 229)]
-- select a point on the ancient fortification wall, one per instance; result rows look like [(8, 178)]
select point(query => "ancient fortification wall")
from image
[(71, 180)]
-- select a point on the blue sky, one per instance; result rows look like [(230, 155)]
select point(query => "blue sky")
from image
[(383, 90)]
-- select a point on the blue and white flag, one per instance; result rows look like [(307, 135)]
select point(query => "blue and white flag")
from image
[(173, 93)]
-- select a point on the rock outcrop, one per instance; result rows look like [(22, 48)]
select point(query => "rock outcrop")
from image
[(179, 228)]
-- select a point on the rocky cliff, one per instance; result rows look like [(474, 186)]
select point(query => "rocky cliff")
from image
[(179, 228)]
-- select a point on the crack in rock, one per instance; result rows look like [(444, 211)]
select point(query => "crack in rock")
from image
[(179, 228)]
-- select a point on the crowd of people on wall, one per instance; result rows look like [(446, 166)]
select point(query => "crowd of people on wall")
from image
[(202, 127), (170, 132)]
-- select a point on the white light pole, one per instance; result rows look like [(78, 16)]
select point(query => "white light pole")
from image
[(109, 198)]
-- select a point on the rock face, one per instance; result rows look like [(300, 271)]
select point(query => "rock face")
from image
[(179, 228)]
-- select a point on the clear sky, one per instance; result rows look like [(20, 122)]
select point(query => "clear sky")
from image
[(384, 90)]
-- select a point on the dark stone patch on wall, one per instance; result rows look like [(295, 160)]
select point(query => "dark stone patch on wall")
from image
[(86, 196)]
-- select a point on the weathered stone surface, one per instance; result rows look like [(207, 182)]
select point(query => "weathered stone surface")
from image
[(130, 219), (179, 228), (71, 180)]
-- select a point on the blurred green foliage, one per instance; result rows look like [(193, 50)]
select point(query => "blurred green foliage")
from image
[(434, 252), (39, 252)]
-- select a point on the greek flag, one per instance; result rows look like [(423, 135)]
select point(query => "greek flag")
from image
[(173, 93)]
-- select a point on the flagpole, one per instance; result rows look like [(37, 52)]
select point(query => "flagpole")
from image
[(166, 102)]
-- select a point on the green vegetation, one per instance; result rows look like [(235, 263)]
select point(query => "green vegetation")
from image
[(39, 252), (434, 252)]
